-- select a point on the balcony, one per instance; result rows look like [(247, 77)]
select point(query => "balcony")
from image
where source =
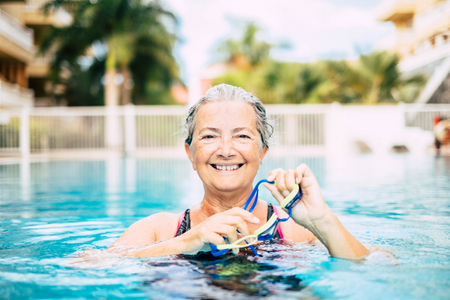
[(16, 40), (34, 16), (11, 95), (425, 55), (395, 10), (401, 41), (433, 20)]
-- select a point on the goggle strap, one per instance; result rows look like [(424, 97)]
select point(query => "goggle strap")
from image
[(285, 219), (268, 236), (216, 252), (253, 249), (255, 191), (254, 202)]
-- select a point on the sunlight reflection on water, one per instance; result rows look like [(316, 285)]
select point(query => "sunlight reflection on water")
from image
[(49, 211)]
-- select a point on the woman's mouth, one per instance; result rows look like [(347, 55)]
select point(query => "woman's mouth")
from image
[(226, 167)]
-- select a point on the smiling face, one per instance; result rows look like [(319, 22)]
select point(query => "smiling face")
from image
[(226, 146)]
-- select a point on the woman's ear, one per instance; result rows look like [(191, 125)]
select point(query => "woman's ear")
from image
[(189, 154), (263, 153)]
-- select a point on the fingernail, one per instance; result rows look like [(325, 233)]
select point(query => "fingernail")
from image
[(235, 251), (297, 180), (255, 220), (285, 193), (270, 178)]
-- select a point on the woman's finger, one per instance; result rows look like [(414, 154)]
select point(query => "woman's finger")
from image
[(236, 222), (229, 232), (281, 184), (214, 238), (240, 212), (299, 173), (289, 179), (303, 172), (275, 192), (273, 174)]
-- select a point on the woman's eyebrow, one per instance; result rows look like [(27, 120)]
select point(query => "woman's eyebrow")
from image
[(210, 129), (241, 129)]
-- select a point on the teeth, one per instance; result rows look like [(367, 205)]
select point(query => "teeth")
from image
[(227, 168)]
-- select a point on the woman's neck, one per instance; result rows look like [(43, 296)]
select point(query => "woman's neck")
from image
[(217, 202)]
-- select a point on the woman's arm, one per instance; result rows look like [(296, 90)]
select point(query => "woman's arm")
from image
[(153, 236), (313, 213), (149, 230)]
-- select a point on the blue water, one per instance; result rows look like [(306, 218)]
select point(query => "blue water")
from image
[(51, 210)]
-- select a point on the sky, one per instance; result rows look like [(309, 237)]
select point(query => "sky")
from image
[(314, 29)]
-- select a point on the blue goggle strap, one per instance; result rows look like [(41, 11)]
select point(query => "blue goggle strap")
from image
[(216, 252)]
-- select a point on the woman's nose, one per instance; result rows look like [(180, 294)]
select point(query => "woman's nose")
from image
[(226, 148)]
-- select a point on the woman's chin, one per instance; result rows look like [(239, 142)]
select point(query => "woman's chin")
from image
[(228, 185)]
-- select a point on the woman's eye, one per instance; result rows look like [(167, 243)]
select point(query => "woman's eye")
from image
[(208, 137), (244, 136)]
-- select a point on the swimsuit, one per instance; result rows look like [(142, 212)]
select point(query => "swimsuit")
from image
[(185, 222)]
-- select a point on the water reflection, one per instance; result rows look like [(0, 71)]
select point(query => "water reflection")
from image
[(130, 175), (52, 209), (25, 179), (227, 277)]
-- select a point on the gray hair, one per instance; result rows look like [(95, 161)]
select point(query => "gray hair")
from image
[(226, 92)]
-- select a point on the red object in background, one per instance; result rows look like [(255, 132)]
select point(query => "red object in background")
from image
[(437, 119)]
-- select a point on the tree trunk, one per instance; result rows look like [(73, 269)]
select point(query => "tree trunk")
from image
[(374, 91), (113, 133), (111, 90), (126, 89)]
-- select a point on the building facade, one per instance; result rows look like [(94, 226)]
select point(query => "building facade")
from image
[(23, 71), (422, 40)]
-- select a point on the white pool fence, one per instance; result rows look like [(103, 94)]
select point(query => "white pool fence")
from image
[(310, 129)]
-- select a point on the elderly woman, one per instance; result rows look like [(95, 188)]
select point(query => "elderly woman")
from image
[(227, 139)]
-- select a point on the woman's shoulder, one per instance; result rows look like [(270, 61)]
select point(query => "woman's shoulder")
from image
[(161, 217), (150, 229), (164, 224)]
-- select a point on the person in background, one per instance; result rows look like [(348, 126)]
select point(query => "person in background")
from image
[(441, 132)]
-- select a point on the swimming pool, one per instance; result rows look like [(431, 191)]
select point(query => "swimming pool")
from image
[(51, 209)]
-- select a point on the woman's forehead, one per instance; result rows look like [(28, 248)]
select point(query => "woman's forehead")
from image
[(226, 114)]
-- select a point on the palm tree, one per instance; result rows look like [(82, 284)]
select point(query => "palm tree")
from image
[(246, 52), (380, 76), (125, 29)]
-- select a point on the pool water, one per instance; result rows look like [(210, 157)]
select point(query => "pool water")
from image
[(51, 210)]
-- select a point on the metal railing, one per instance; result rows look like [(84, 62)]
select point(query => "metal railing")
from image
[(14, 95), (422, 116), (9, 132), (314, 129)]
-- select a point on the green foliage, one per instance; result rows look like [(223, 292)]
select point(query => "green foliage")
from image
[(132, 33), (374, 78), (246, 52)]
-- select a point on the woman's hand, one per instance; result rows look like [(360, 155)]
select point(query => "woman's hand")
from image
[(312, 207), (215, 228), (313, 213)]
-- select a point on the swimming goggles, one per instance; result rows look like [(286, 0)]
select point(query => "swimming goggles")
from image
[(265, 232)]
